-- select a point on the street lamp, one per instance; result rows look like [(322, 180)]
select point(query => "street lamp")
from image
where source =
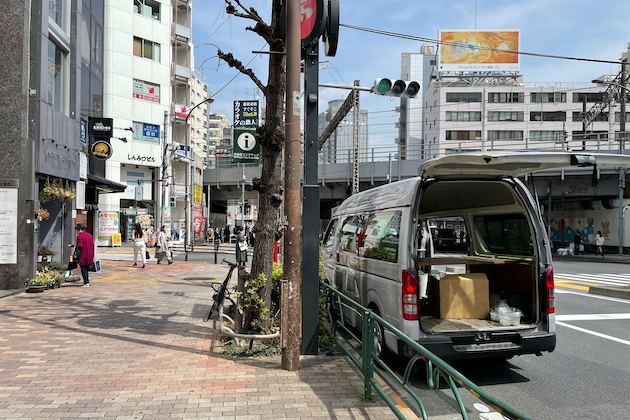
[(188, 200)]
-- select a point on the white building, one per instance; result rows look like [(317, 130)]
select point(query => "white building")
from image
[(137, 94), (502, 113), (218, 124), (415, 66), (339, 144), (199, 117)]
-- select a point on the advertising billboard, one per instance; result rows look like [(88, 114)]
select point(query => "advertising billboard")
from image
[(146, 91), (479, 50), (246, 114)]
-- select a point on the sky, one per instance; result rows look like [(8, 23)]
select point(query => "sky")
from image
[(585, 28)]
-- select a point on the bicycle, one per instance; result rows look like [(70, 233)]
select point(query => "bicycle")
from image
[(222, 292)]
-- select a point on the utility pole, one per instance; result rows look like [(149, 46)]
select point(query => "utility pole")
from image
[(483, 120), (292, 194), (243, 196), (355, 139), (163, 178), (584, 122), (622, 138)]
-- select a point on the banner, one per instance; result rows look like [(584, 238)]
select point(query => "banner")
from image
[(479, 50), (198, 193)]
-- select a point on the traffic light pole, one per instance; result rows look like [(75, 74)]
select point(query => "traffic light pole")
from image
[(310, 206)]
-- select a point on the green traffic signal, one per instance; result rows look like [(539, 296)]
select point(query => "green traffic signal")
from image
[(382, 86)]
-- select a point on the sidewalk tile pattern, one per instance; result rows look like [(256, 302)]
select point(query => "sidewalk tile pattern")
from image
[(134, 346)]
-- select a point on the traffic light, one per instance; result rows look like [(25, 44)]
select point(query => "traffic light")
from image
[(389, 87), (173, 202)]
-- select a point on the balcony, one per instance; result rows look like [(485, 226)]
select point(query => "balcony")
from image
[(181, 33), (181, 73)]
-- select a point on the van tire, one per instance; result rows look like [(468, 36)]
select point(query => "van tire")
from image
[(380, 347)]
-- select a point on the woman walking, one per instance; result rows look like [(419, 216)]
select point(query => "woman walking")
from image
[(162, 250), (139, 245), (599, 242)]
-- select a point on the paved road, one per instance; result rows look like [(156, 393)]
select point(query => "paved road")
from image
[(586, 377), (606, 274)]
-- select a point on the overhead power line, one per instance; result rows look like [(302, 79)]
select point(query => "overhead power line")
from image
[(466, 45)]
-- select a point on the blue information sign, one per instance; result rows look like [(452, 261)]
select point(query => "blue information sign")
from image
[(151, 131)]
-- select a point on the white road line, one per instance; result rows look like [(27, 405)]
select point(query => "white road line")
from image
[(601, 277), (570, 292), (596, 334), (591, 317)]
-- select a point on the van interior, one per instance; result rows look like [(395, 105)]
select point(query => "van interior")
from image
[(475, 248)]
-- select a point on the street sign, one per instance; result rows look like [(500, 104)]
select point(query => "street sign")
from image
[(101, 127), (245, 145), (246, 114)]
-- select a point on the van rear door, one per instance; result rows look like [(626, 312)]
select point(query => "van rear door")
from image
[(504, 164)]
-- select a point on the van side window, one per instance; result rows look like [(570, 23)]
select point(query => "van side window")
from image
[(505, 234), (329, 238), (348, 240), (381, 236)]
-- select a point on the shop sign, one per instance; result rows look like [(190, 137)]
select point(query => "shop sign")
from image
[(146, 132), (8, 224), (83, 132), (181, 111), (140, 158), (146, 91), (107, 223), (198, 194), (101, 150), (246, 114), (83, 165), (101, 127), (245, 146)]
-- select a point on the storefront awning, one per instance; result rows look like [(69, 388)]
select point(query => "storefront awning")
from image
[(104, 185)]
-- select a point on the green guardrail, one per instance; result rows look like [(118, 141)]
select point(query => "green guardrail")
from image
[(436, 368)]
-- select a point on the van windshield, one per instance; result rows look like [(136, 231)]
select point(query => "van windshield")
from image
[(505, 234)]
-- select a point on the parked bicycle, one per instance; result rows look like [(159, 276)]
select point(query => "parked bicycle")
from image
[(222, 292)]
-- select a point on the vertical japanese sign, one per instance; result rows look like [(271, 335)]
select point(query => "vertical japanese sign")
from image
[(245, 145), (8, 225)]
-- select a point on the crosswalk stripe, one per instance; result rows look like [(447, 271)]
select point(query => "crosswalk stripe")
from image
[(609, 279)]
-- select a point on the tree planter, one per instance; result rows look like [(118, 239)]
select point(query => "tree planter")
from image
[(36, 289)]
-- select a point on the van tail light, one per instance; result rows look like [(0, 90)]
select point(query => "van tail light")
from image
[(409, 296), (551, 291)]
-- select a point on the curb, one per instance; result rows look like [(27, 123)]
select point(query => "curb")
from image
[(616, 292)]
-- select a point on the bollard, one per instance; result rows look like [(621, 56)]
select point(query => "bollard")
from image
[(367, 354), (216, 249)]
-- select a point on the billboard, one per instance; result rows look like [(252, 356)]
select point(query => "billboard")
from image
[(479, 50), (246, 114)]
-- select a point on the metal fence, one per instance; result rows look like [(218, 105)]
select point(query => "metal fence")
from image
[(368, 361)]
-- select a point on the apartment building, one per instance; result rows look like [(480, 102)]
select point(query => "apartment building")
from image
[(505, 114), (218, 124)]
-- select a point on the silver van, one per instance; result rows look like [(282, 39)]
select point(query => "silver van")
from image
[(435, 254)]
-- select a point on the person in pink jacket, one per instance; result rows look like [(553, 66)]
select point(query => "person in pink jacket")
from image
[(85, 247)]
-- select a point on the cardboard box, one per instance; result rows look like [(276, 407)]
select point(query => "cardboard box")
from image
[(464, 296)]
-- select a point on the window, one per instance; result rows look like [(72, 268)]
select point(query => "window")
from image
[(56, 77), (503, 97), (462, 135), (505, 116), (448, 234), (348, 239), (148, 8), (547, 97), (505, 135), (548, 116), (463, 97), (589, 96), (146, 49), (329, 238), (546, 135), (618, 117), (463, 116), (505, 234), (378, 240), (603, 116), (591, 135), (57, 12)]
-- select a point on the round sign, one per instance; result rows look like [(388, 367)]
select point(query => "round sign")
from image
[(101, 150), (246, 141), (312, 14)]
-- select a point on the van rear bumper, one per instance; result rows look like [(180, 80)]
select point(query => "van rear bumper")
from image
[(530, 343)]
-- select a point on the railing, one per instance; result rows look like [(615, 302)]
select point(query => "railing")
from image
[(594, 142), (436, 368)]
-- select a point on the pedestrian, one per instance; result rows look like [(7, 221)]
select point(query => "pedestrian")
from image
[(241, 247), (599, 242), (161, 251), (139, 245), (174, 233), (85, 247), (577, 241), (251, 238)]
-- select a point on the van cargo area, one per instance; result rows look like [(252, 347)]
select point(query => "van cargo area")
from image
[(491, 262)]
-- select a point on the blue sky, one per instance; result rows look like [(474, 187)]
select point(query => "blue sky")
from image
[(585, 28)]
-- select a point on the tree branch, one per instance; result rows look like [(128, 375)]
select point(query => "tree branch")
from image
[(250, 13), (238, 65)]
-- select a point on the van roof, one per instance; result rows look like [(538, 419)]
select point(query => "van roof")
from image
[(396, 194)]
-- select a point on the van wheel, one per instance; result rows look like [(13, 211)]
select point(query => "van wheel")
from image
[(379, 336)]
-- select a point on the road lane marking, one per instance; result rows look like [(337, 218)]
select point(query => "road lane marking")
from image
[(573, 285), (591, 317), (611, 279), (595, 333), (612, 299)]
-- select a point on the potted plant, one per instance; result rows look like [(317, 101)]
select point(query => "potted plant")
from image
[(42, 214), (45, 253), (40, 282)]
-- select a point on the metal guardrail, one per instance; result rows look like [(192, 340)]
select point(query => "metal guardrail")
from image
[(436, 368)]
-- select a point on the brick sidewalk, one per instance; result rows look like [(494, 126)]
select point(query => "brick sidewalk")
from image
[(134, 346)]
